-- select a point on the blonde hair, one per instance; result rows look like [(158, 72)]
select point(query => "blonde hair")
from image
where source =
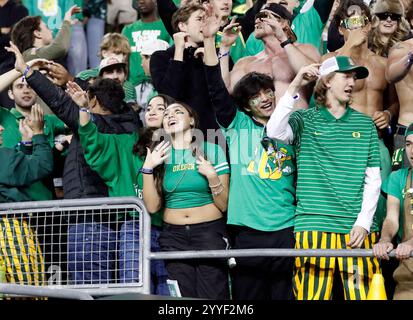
[(320, 89), (377, 45), (117, 43)]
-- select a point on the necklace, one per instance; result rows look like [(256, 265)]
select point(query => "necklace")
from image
[(179, 180)]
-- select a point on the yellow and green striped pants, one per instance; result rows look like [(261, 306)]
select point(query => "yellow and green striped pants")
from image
[(21, 253), (313, 276)]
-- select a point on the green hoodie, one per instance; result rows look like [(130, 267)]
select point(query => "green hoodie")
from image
[(111, 156), (24, 170)]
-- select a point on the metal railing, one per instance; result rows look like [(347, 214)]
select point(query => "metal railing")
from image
[(55, 245), (63, 214)]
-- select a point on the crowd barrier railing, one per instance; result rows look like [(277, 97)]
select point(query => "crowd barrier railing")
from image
[(47, 251)]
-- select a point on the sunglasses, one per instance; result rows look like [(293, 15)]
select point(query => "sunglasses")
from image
[(266, 14), (355, 22), (385, 15), (255, 102)]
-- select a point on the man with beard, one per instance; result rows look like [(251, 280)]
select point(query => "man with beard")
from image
[(282, 57)]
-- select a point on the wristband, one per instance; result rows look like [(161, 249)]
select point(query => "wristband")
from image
[(222, 55), (84, 110), (25, 143), (284, 43), (146, 171), (25, 73)]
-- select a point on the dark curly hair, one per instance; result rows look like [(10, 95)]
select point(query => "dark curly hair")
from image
[(110, 95), (249, 86)]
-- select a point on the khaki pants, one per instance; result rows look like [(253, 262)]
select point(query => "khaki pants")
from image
[(403, 276)]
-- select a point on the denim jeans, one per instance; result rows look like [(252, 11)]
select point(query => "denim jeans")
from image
[(95, 30), (129, 258), (91, 253), (77, 56)]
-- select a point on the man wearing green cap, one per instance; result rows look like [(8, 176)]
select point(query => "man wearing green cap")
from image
[(399, 222), (338, 183)]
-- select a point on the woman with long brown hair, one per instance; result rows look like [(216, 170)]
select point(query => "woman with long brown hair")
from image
[(189, 179)]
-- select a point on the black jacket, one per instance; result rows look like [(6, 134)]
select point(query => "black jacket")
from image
[(184, 81), (79, 181)]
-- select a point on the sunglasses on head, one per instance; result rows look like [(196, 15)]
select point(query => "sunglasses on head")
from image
[(385, 15), (355, 22)]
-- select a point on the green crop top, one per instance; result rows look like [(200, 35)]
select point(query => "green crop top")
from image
[(183, 186)]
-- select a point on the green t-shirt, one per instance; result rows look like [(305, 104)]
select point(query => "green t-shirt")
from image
[(137, 33), (128, 88), (395, 186), (183, 185), (52, 12), (332, 160), (307, 26), (262, 186), (111, 156)]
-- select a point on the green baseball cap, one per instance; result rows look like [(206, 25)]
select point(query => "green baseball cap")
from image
[(409, 130), (343, 64)]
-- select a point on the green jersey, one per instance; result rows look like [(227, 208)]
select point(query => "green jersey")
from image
[(111, 156), (395, 185), (137, 33), (307, 26), (332, 160), (262, 187), (183, 185)]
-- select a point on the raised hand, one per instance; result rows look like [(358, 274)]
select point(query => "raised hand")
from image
[(157, 156), (19, 65), (277, 27), (78, 95), (69, 13), (230, 34), (36, 120), (38, 64), (212, 23), (59, 75)]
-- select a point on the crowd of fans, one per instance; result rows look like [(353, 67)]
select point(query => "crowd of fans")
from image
[(242, 124)]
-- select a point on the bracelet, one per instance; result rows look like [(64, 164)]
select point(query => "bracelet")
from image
[(221, 55), (218, 192), (284, 43), (25, 73), (84, 110), (146, 171), (217, 185), (25, 143)]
